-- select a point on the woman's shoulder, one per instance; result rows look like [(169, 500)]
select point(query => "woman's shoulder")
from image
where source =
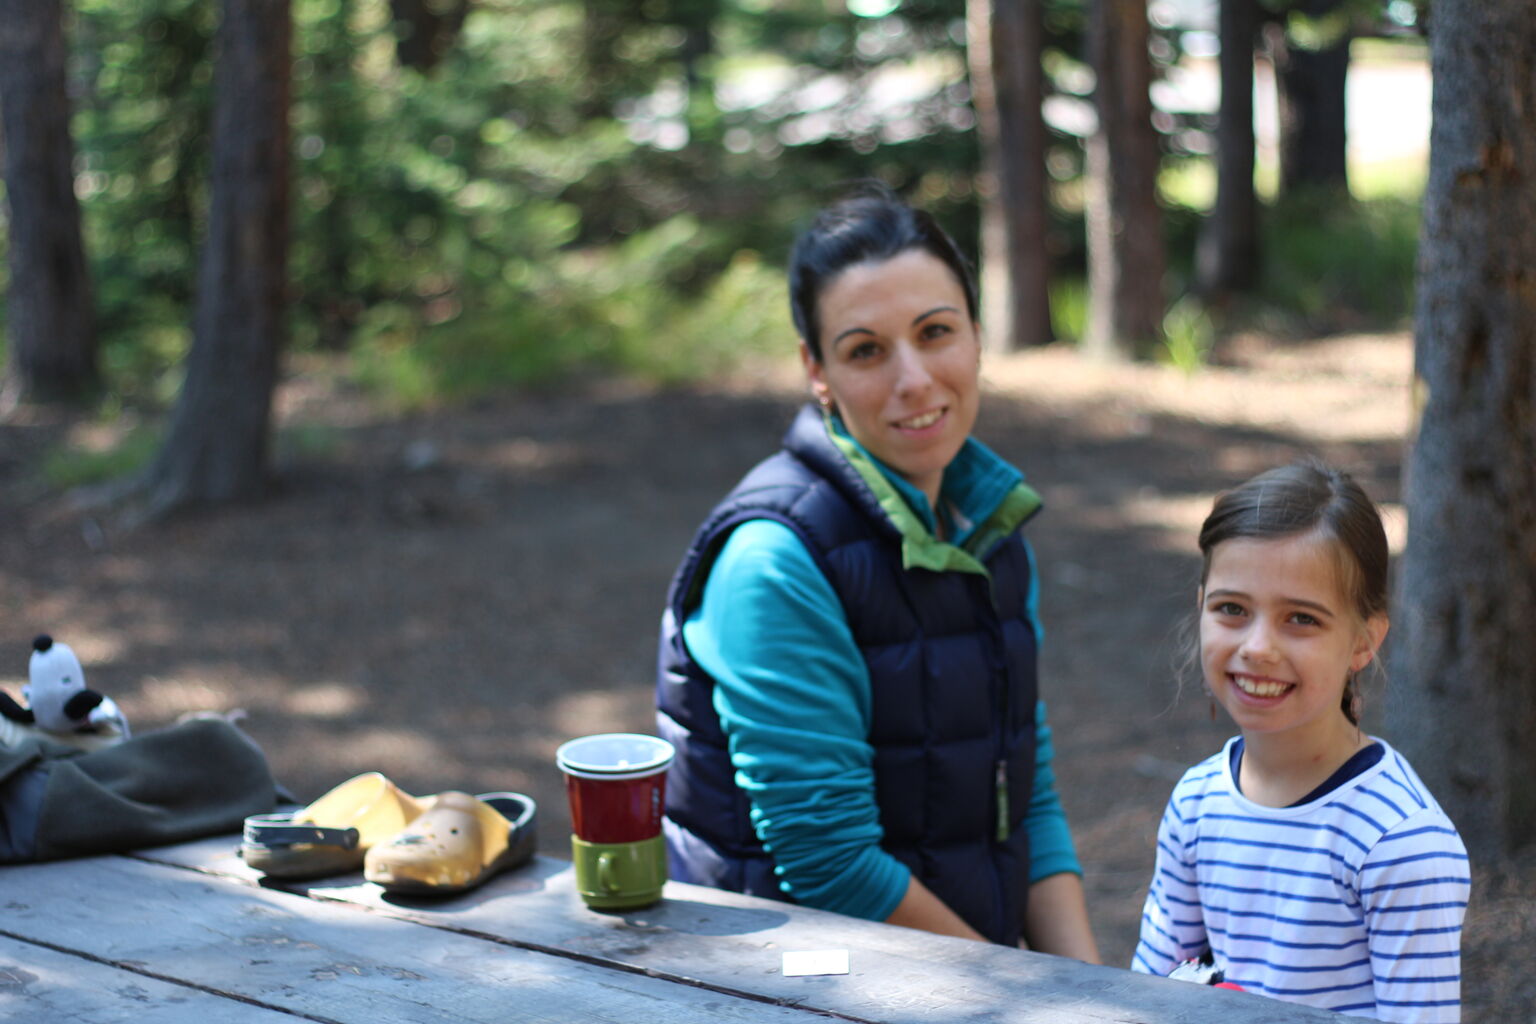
[(758, 546)]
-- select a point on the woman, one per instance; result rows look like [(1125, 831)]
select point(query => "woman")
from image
[(848, 653)]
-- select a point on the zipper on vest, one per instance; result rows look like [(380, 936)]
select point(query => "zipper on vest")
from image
[(999, 667), (1000, 785)]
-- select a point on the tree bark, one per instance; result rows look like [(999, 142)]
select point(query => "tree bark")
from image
[(1004, 47), (1227, 257), (50, 310), (1125, 225), (1313, 139), (217, 448), (1462, 703)]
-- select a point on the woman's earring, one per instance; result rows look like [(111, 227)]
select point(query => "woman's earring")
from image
[(825, 400)]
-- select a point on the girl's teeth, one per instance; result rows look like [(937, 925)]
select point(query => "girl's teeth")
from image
[(925, 420), (1256, 688)]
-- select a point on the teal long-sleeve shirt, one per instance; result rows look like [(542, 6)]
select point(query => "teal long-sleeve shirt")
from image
[(794, 694)]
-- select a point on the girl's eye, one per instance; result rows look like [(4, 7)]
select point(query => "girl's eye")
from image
[(1303, 619), (1228, 608), (935, 330)]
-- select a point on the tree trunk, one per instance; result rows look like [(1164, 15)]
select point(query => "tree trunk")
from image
[(1125, 230), (604, 22), (50, 312), (218, 444), (1462, 703), (1227, 259), (1312, 109), (426, 29), (1005, 41)]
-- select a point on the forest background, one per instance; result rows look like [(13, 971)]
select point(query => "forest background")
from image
[(533, 296)]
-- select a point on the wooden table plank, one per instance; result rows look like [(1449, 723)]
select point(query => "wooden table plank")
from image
[(735, 943), (326, 961), (40, 985)]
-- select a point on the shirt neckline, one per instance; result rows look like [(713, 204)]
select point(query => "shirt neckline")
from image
[(1362, 765)]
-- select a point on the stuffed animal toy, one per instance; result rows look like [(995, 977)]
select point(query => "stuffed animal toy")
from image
[(57, 699)]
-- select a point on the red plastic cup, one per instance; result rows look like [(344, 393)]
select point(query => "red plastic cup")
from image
[(616, 784)]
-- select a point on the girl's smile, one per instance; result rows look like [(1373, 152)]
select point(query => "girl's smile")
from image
[(1260, 687)]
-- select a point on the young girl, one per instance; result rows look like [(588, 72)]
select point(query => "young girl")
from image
[(1307, 859)]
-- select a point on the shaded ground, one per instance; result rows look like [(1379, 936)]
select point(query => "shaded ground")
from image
[(446, 598)]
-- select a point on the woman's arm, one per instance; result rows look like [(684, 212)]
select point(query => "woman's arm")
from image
[(793, 695), (920, 908), (1056, 919)]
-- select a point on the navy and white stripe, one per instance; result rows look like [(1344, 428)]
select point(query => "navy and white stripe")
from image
[(1353, 902)]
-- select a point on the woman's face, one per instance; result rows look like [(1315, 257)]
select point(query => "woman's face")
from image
[(900, 358)]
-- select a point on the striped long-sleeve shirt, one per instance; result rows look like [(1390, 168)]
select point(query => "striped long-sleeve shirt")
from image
[(1352, 902)]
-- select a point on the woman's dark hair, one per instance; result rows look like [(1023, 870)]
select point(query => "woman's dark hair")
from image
[(870, 226), (1301, 498)]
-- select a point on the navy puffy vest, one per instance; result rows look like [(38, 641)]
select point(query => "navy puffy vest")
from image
[(951, 660)]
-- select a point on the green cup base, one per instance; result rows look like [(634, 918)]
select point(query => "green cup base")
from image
[(620, 876)]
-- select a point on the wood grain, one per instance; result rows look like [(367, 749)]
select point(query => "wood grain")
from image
[(734, 943)]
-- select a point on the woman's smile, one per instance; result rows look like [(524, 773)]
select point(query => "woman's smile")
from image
[(922, 421)]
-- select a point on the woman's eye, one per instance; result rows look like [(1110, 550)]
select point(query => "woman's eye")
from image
[(864, 350), (937, 330), (1228, 608)]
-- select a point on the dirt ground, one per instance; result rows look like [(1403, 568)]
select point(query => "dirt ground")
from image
[(446, 597)]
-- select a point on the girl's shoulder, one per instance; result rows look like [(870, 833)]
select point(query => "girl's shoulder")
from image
[(1211, 771), (1209, 778), (1401, 799)]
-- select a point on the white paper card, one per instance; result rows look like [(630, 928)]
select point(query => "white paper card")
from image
[(823, 961)]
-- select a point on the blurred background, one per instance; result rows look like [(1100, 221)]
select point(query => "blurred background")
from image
[(369, 363), (493, 192)]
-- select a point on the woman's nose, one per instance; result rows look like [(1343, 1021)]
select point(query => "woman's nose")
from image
[(912, 373)]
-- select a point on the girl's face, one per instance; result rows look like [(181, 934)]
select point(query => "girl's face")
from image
[(901, 360), (1279, 636)]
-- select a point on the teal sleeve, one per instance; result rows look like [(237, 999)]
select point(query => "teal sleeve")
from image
[(1050, 841), (793, 694)]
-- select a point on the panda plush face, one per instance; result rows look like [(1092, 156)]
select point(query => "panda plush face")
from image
[(56, 692), (55, 680)]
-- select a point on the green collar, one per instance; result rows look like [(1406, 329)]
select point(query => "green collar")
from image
[(987, 500)]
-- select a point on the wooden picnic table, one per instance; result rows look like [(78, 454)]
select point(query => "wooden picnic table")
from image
[(189, 935)]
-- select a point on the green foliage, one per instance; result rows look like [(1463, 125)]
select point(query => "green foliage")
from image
[(584, 186), (72, 466), (142, 103), (1188, 335), (1331, 263), (598, 309), (1069, 308), (531, 207), (307, 441)]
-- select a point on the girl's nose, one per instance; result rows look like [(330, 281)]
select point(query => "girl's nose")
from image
[(1258, 643)]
